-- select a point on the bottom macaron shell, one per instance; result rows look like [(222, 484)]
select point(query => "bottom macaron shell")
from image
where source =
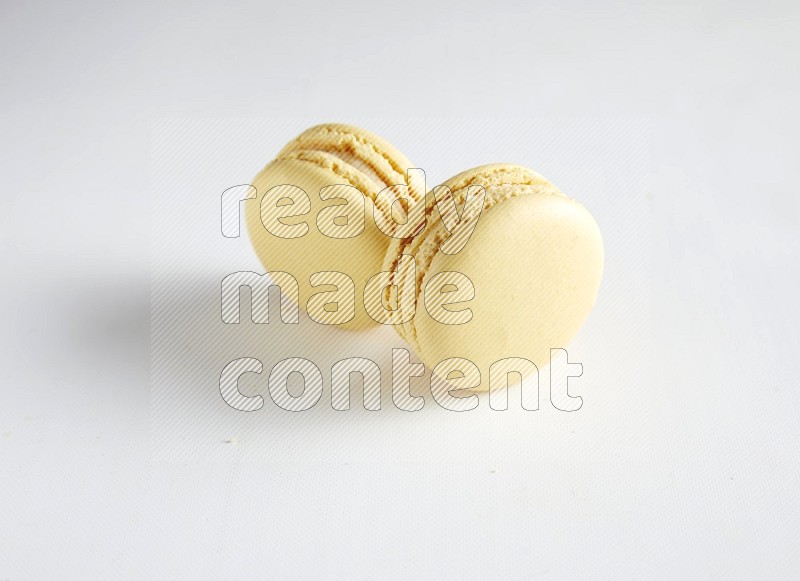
[(536, 262)]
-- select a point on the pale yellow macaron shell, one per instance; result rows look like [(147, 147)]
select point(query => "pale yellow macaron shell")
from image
[(500, 182), (536, 261), (320, 157)]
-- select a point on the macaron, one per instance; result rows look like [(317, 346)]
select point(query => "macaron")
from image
[(524, 282), (324, 212)]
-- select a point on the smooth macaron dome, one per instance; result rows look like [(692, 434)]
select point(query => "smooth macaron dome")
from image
[(535, 259), (500, 181)]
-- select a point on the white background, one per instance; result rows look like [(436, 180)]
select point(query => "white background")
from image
[(684, 465)]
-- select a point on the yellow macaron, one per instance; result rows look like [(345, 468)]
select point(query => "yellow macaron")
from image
[(534, 262), (298, 232)]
